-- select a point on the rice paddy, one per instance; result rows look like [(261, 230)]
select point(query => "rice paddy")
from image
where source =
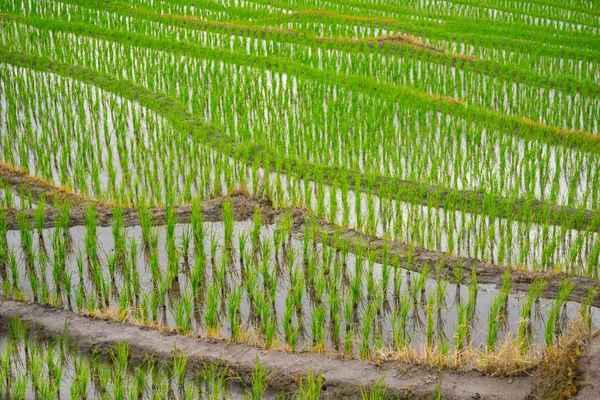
[(415, 184)]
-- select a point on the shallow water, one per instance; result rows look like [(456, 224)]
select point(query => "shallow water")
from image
[(332, 267)]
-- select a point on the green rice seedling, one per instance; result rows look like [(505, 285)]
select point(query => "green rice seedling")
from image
[(132, 393), (5, 364), (550, 331), (39, 216), (243, 240), (104, 377), (318, 328), (349, 331), (19, 388), (366, 328), (397, 282), (233, 306), (91, 237), (260, 381), (228, 222), (270, 330), (172, 253), (461, 329), (211, 315), (405, 303), (473, 289), (370, 275), (62, 222), (334, 307), (28, 250), (145, 218), (191, 391), (551, 321), (586, 308), (79, 388), (44, 390), (309, 387), (42, 262), (186, 240), (119, 237), (525, 332), (458, 274), (197, 221), (320, 285), (56, 378), (440, 293), (6, 287), (430, 320), (14, 271), (59, 263), (111, 261), (183, 313), (141, 376), (92, 304), (180, 363), (80, 298), (378, 391), (494, 322), (420, 283), (504, 292), (67, 278), (215, 379), (36, 366), (153, 263)]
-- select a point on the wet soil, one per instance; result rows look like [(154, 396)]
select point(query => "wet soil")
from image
[(588, 369), (343, 378)]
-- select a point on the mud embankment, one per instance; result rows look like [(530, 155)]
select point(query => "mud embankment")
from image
[(588, 370)]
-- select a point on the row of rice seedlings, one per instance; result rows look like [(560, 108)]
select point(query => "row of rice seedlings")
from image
[(391, 65), (544, 24), (469, 38), (551, 248), (276, 292), (97, 169), (360, 20), (436, 168), (528, 249), (556, 62), (52, 368)]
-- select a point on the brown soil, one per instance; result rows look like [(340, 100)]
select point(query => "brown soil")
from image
[(243, 208), (37, 187), (404, 39), (558, 373), (588, 369), (343, 378)]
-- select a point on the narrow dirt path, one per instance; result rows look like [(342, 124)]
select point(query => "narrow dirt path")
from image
[(343, 378)]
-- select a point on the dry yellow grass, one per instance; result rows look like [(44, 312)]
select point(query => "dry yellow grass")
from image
[(556, 378)]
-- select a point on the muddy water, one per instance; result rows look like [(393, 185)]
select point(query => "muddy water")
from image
[(360, 329)]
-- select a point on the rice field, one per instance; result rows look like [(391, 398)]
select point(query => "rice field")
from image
[(414, 184)]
